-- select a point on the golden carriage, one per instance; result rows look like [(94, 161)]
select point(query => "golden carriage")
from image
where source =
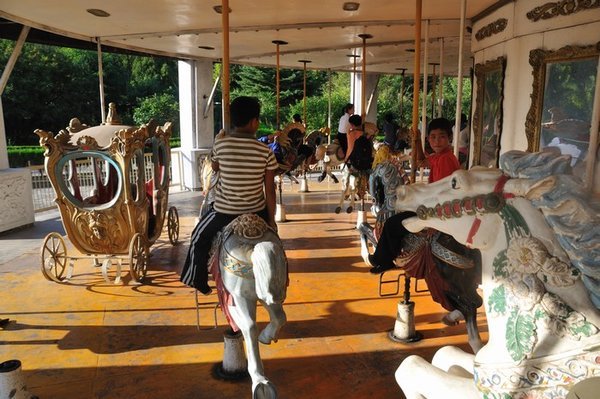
[(111, 183)]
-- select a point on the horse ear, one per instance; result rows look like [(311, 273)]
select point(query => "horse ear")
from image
[(414, 224), (540, 188)]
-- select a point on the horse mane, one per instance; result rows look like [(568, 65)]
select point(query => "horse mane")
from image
[(570, 210)]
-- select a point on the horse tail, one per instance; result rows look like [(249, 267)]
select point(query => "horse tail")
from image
[(270, 271)]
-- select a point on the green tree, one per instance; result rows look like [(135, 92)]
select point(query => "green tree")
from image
[(160, 107)]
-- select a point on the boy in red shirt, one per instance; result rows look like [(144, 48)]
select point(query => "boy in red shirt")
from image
[(442, 163)]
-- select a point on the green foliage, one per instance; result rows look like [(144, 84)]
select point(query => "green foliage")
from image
[(162, 107), (50, 85), (260, 82), (389, 98), (499, 264), (497, 300), (520, 335), (21, 156)]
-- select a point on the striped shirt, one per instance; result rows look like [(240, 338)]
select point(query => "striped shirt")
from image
[(243, 162)]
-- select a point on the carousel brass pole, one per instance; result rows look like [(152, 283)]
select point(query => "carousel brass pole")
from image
[(304, 97), (459, 83), (433, 83), (225, 65), (353, 92), (416, 137), (363, 76), (329, 106), (277, 43), (101, 82), (354, 56), (425, 83), (441, 93), (402, 95)]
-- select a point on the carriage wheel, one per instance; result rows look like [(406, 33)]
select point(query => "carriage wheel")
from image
[(138, 258), (173, 225), (54, 257)]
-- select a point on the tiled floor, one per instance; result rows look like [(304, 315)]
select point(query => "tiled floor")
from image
[(92, 339)]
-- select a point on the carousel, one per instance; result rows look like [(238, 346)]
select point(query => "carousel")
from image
[(526, 200)]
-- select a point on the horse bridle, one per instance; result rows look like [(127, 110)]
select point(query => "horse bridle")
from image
[(481, 204)]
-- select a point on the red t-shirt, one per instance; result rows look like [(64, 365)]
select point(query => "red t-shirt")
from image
[(442, 165)]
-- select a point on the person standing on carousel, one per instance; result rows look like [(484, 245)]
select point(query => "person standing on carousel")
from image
[(246, 185), (344, 126)]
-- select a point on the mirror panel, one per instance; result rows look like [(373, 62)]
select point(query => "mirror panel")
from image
[(487, 120)]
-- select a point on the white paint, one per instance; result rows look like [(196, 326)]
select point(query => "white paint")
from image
[(16, 199), (197, 136)]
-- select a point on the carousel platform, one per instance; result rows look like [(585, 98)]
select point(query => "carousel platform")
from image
[(87, 338)]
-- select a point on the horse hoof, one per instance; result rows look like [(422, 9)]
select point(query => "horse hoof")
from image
[(321, 178), (264, 390), (338, 209), (335, 180), (349, 210)]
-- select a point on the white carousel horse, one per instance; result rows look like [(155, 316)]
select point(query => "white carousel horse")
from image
[(354, 184), (252, 267), (331, 155), (539, 237)]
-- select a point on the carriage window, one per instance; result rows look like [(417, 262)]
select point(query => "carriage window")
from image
[(137, 176), (149, 163), (162, 164), (89, 179)]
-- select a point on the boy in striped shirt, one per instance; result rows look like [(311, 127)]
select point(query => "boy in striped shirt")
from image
[(246, 185)]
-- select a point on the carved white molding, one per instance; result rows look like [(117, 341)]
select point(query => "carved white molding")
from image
[(16, 202)]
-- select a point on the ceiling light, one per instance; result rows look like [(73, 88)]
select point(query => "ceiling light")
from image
[(219, 9), (353, 55), (350, 6), (206, 47), (97, 12)]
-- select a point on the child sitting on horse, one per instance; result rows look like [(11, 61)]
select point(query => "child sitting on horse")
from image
[(442, 163), (245, 185)]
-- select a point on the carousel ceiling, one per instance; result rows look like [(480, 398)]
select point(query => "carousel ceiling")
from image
[(320, 31)]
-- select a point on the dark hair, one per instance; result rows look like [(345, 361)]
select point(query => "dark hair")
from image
[(348, 107), (243, 109), (441, 124), (355, 120), (297, 118), (389, 117)]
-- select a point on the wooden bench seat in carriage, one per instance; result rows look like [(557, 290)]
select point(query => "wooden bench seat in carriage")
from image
[(111, 183)]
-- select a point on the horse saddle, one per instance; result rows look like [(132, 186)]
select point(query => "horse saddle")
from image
[(336, 150), (442, 246), (235, 243)]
